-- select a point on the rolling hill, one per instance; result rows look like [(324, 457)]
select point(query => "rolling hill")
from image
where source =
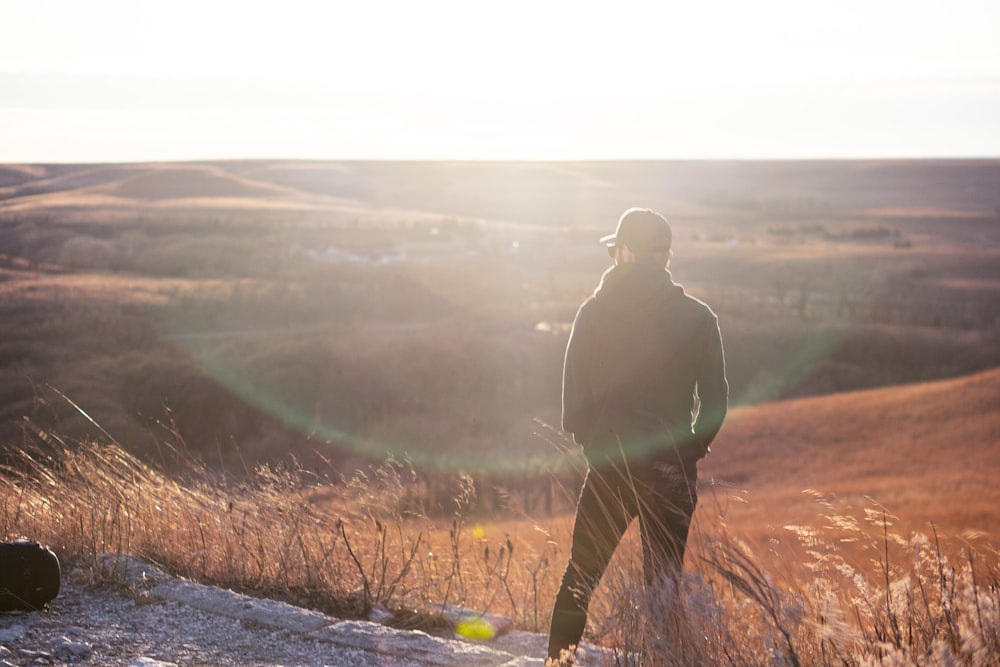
[(396, 277), (926, 452), (527, 193)]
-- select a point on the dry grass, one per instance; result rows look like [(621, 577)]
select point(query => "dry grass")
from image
[(344, 547), (774, 576), (846, 589), (923, 448)]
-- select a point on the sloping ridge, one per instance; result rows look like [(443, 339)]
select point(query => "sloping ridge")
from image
[(194, 181), (928, 450), (13, 175), (148, 182), (45, 180)]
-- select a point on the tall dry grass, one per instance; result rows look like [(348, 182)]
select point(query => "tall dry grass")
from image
[(846, 591), (343, 546)]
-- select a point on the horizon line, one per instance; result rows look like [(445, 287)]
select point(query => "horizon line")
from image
[(509, 160)]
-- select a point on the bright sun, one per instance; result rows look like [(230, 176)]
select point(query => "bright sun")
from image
[(523, 80)]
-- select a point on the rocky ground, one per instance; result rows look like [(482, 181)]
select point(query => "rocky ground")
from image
[(153, 620)]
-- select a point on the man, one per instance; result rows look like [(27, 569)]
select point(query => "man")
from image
[(643, 359)]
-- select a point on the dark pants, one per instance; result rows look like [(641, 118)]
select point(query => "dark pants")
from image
[(661, 492)]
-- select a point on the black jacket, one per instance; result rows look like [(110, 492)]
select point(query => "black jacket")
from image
[(642, 353)]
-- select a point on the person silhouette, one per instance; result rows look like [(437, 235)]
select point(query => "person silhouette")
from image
[(644, 394)]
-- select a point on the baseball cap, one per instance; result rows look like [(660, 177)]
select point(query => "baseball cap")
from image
[(642, 230)]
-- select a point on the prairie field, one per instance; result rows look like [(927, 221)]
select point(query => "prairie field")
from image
[(338, 383)]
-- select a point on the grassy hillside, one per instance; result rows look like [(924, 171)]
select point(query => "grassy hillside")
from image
[(259, 335), (248, 310), (812, 543), (927, 452)]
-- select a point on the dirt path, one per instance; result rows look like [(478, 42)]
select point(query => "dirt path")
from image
[(154, 620)]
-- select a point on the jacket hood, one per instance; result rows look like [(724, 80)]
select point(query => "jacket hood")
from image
[(637, 285)]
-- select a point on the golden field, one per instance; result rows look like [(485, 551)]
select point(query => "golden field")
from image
[(207, 364)]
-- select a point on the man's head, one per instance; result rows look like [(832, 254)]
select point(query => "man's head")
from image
[(642, 235)]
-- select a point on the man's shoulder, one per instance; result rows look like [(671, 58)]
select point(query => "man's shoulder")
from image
[(589, 304), (695, 307)]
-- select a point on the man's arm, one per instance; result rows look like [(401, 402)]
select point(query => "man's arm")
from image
[(713, 389)]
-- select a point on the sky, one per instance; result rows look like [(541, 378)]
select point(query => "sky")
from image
[(136, 80)]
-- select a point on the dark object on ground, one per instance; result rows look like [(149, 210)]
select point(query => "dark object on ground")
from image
[(29, 576)]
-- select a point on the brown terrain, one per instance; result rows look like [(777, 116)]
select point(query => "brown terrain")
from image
[(926, 452), (214, 319), (344, 310)]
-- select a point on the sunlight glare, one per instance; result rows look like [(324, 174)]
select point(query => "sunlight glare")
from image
[(521, 80)]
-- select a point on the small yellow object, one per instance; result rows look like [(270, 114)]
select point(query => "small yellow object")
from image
[(477, 629), (478, 532)]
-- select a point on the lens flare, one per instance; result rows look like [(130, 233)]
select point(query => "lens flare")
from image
[(476, 629)]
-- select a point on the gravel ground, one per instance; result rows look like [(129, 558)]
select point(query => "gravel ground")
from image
[(154, 620)]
